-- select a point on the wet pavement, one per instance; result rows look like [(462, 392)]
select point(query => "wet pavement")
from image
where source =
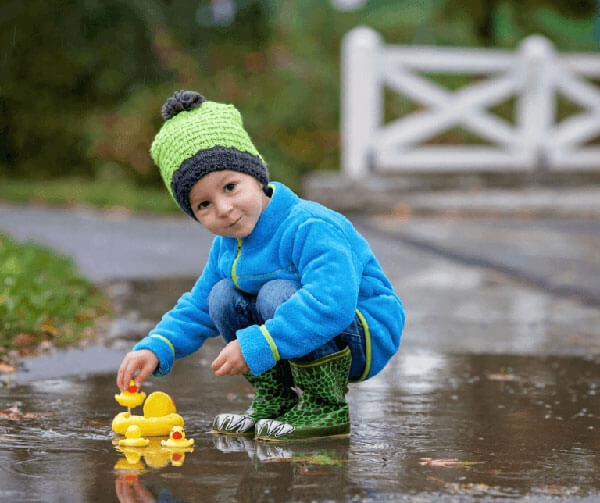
[(108, 245), (433, 427), (494, 395)]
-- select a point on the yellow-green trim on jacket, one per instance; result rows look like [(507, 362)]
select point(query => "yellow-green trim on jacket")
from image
[(368, 349), (271, 342)]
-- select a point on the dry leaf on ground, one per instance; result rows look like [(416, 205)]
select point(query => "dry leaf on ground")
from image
[(5, 368), (446, 462), (15, 414), (502, 377)]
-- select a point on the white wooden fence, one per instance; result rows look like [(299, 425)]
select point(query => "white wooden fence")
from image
[(534, 74)]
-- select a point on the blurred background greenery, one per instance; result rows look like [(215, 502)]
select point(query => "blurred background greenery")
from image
[(82, 81)]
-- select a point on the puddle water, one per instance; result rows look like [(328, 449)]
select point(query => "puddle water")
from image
[(431, 427), (436, 425)]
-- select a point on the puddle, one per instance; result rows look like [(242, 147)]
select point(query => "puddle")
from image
[(439, 424), (429, 428)]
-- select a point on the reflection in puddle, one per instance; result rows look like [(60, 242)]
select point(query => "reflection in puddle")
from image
[(324, 452), (129, 489), (154, 456), (430, 426)]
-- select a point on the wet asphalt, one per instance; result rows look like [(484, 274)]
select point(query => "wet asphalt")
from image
[(493, 396)]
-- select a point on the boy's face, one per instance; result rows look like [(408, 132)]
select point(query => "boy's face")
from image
[(228, 203)]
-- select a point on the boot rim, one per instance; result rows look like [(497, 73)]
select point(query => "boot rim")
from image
[(324, 359)]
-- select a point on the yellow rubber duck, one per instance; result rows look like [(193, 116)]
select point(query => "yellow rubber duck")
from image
[(133, 437), (160, 415), (130, 397), (177, 439)]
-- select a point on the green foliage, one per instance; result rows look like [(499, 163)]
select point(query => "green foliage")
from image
[(60, 61), (82, 81), (105, 193), (42, 297)]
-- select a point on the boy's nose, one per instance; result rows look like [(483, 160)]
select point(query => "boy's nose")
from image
[(223, 207)]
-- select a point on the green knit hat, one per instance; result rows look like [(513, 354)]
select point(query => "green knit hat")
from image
[(199, 137)]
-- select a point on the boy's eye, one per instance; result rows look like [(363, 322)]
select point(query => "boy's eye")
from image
[(203, 205), (229, 187)]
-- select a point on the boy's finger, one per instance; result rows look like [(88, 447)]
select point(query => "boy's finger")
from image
[(129, 371), (222, 370), (142, 374), (217, 362), (119, 376)]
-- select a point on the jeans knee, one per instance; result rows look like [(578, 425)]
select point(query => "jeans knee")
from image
[(219, 299), (272, 294)]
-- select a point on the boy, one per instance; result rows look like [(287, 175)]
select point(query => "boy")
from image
[(290, 285)]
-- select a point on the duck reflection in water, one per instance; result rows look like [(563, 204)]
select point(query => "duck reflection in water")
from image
[(128, 487)]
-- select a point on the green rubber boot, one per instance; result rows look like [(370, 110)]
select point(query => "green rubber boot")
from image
[(274, 396), (322, 410)]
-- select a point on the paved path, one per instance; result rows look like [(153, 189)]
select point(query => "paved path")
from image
[(530, 286), (558, 255), (497, 369), (109, 245)]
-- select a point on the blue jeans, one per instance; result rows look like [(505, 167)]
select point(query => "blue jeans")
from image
[(231, 310)]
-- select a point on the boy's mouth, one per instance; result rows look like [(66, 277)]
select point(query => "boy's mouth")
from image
[(235, 223)]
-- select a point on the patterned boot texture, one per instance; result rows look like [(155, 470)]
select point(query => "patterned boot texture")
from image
[(274, 396), (322, 409)]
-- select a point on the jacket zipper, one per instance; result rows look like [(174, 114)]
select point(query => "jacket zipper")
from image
[(233, 267)]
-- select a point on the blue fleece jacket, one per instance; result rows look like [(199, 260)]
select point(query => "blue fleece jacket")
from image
[(297, 240)]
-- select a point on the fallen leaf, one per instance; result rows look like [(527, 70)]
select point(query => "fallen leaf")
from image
[(97, 422), (14, 414), (50, 329), (5, 368), (446, 463), (563, 491), (22, 340), (502, 377)]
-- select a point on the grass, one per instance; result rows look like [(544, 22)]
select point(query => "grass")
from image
[(43, 299), (95, 193)]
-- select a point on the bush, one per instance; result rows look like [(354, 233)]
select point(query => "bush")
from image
[(83, 81)]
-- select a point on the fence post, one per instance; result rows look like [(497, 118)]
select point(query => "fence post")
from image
[(536, 107), (361, 96)]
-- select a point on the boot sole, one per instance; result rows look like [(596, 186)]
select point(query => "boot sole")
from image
[(342, 432), (307, 439), (233, 433)]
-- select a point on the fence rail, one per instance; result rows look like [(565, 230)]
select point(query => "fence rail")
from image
[(534, 74)]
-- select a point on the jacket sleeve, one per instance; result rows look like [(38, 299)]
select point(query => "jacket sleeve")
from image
[(184, 328), (322, 308)]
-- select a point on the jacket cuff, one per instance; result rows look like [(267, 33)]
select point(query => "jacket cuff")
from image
[(258, 348), (162, 348)]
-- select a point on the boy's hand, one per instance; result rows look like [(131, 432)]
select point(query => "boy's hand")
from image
[(144, 360), (230, 361)]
